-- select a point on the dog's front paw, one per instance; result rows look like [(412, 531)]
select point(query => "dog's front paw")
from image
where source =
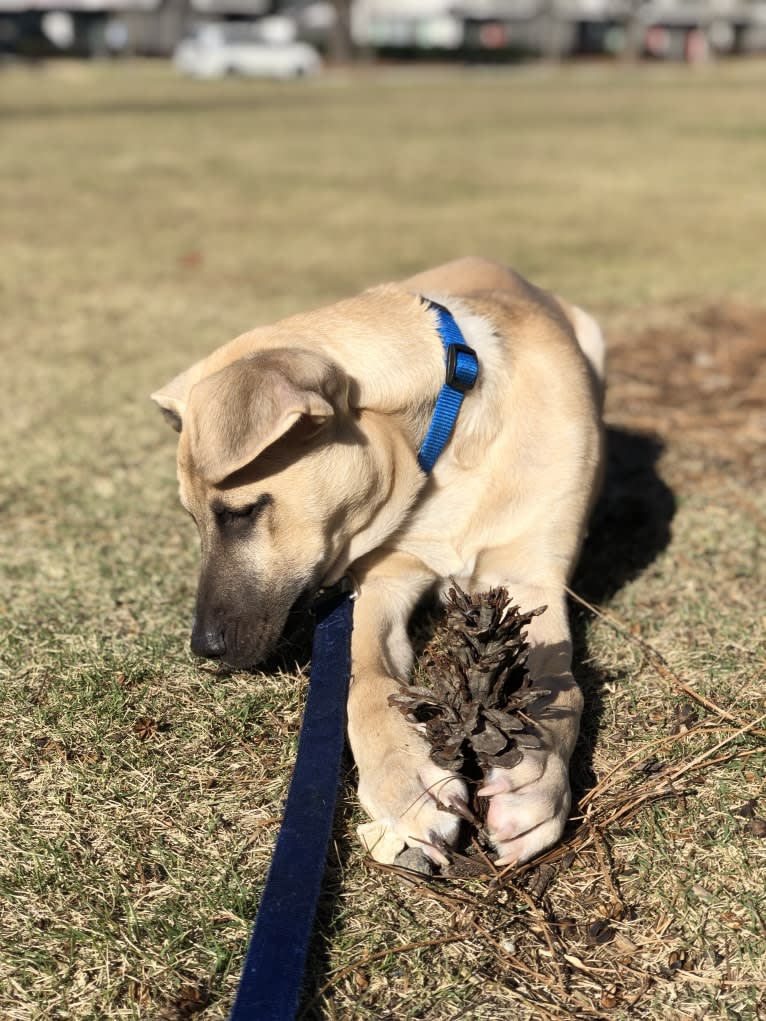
[(413, 803), (528, 805)]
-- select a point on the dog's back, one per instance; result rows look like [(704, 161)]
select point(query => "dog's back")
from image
[(473, 276)]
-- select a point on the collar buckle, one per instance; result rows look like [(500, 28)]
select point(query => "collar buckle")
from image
[(344, 586), (462, 367)]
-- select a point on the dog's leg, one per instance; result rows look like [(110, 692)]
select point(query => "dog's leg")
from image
[(407, 796), (530, 802)]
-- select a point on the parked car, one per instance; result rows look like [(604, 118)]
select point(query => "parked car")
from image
[(216, 49)]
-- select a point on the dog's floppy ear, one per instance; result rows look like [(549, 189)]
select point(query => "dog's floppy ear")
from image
[(171, 399), (239, 411)]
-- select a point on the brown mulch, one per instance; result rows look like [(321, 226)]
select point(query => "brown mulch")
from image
[(695, 376)]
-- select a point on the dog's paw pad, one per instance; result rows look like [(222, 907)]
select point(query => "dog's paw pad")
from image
[(524, 820)]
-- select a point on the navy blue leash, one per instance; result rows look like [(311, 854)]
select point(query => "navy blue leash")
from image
[(272, 975)]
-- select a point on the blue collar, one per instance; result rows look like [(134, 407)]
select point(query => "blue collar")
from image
[(462, 373)]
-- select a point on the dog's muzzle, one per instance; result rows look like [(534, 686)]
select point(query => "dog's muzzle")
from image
[(242, 636)]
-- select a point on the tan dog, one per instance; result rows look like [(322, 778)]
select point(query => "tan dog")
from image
[(298, 461)]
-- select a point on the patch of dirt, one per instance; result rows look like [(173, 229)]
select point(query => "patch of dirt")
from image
[(695, 376)]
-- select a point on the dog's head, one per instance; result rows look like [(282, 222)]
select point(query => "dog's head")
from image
[(279, 478)]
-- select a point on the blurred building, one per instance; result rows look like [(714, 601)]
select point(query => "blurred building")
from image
[(482, 30), (671, 29), (104, 27)]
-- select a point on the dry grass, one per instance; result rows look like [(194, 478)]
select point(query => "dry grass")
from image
[(147, 219)]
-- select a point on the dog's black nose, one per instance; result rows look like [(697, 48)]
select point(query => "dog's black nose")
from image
[(206, 641)]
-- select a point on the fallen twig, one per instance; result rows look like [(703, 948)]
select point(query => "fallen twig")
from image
[(658, 661)]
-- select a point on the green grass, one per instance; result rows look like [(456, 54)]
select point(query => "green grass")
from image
[(145, 220)]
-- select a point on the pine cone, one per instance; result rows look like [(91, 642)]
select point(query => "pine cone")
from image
[(472, 714)]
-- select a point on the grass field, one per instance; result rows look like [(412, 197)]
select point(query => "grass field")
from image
[(144, 220)]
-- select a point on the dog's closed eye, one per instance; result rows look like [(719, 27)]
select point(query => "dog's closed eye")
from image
[(226, 515)]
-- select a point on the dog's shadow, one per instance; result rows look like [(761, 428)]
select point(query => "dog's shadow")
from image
[(630, 526)]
